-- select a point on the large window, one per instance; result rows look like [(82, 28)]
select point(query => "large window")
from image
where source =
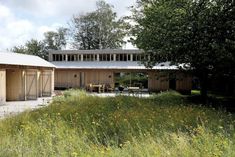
[(59, 57), (89, 57), (74, 57), (136, 57), (133, 79), (106, 57), (123, 57)]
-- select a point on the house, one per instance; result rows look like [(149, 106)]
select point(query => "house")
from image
[(24, 77), (79, 68)]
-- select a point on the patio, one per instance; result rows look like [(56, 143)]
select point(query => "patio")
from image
[(16, 107)]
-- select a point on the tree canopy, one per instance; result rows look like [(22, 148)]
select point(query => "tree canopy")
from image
[(198, 32), (32, 47), (53, 40), (100, 29)]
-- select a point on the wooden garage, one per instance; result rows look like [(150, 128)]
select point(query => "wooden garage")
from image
[(24, 77)]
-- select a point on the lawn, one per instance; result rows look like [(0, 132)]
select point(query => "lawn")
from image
[(77, 124)]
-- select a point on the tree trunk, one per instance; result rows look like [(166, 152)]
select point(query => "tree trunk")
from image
[(204, 86)]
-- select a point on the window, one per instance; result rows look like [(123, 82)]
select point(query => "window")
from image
[(117, 57), (106, 57), (79, 57), (111, 57), (136, 57), (53, 57), (89, 57), (123, 57), (59, 57), (72, 57), (128, 57)]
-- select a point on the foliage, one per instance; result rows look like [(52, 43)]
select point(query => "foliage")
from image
[(55, 40), (52, 41), (100, 29), (198, 32), (32, 47), (131, 79), (77, 124)]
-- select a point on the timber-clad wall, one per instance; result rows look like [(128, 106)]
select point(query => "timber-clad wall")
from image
[(25, 83), (183, 82), (157, 80), (14, 85), (2, 86), (81, 78)]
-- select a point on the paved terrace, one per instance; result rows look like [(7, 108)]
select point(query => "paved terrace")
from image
[(16, 107)]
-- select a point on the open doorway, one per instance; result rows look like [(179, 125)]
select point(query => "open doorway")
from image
[(131, 79), (172, 81)]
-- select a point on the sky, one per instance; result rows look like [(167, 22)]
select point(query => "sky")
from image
[(22, 20)]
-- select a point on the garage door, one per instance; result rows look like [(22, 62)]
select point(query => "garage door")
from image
[(46, 83), (31, 85)]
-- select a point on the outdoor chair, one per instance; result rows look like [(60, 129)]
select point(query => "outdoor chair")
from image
[(102, 89), (89, 87), (109, 88)]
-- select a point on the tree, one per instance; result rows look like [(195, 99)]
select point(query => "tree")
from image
[(99, 29), (32, 47), (198, 32), (19, 49), (55, 40)]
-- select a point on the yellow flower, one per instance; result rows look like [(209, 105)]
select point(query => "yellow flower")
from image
[(74, 154)]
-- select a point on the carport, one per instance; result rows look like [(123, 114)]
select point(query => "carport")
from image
[(24, 77)]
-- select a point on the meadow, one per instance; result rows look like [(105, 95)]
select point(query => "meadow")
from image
[(77, 124)]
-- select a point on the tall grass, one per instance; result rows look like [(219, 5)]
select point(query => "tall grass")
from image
[(77, 124)]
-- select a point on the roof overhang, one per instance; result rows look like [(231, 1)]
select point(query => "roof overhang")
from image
[(113, 65), (9, 58)]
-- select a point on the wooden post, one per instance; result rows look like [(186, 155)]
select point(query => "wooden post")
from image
[(25, 82)]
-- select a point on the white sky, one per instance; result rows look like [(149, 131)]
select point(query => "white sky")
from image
[(21, 20)]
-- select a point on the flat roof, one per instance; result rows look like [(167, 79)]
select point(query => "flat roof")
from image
[(111, 65), (10, 58), (104, 51)]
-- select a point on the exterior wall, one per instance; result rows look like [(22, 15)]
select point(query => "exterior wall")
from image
[(31, 84), (46, 82), (99, 77), (81, 78), (15, 85), (39, 84), (52, 81), (183, 82), (158, 81), (28, 84), (2, 86)]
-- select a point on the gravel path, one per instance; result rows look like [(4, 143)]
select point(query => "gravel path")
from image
[(16, 107)]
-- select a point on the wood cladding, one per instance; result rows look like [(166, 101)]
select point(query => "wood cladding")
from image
[(81, 78), (157, 80), (14, 85), (25, 84), (2, 86)]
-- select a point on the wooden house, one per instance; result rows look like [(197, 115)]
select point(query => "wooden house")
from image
[(78, 68), (24, 77)]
